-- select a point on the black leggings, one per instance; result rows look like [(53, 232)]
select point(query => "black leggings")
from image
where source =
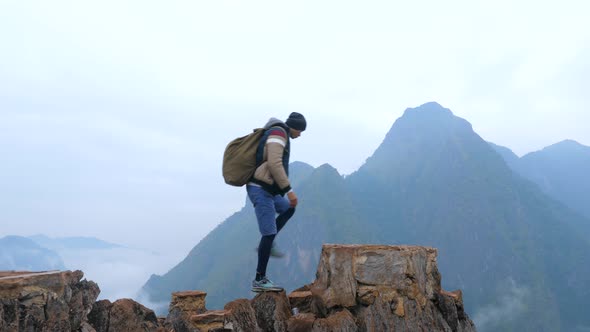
[(266, 242)]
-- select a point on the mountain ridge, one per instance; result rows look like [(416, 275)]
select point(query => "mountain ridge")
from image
[(434, 182), (560, 170), (21, 253)]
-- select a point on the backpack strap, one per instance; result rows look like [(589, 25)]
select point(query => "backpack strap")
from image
[(273, 189), (260, 149)]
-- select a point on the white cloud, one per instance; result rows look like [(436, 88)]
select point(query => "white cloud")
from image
[(508, 307), (121, 272)]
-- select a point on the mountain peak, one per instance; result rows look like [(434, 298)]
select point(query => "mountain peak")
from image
[(428, 128), (326, 174), (430, 117), (568, 144), (430, 108), (328, 169), (299, 172), (561, 150)]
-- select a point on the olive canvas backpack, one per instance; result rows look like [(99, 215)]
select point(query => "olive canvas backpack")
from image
[(239, 158)]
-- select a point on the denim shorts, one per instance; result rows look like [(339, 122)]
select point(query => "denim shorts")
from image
[(266, 207)]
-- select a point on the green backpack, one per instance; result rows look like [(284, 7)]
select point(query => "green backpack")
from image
[(239, 158)]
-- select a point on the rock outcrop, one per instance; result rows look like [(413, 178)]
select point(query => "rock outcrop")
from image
[(388, 288), (357, 288), (123, 315), (45, 301)]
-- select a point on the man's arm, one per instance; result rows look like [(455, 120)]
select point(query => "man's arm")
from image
[(275, 145)]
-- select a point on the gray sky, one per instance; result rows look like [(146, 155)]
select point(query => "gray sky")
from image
[(114, 114)]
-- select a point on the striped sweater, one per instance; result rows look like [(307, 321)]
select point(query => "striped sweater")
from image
[(273, 158)]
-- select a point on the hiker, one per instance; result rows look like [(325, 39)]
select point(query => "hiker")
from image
[(267, 190)]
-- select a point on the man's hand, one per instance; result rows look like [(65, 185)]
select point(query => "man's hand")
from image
[(292, 198)]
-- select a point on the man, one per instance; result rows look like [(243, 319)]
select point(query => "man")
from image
[(267, 188)]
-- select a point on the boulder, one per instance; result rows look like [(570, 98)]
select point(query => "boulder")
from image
[(388, 288), (272, 311), (45, 301), (128, 315), (122, 315), (241, 316), (188, 314), (302, 322), (189, 302), (340, 321), (183, 306), (304, 301), (208, 321), (99, 316)]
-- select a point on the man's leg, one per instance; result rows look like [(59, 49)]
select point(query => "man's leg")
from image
[(264, 249), (265, 214), (284, 209)]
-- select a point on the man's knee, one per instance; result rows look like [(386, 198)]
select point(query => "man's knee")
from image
[(282, 205)]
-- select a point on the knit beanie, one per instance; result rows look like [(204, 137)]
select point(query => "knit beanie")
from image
[(296, 121)]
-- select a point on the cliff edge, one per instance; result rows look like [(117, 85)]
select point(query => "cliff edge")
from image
[(357, 288)]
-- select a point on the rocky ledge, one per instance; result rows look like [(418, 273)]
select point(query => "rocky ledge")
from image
[(357, 288), (45, 301)]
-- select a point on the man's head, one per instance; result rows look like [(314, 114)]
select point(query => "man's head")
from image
[(296, 123)]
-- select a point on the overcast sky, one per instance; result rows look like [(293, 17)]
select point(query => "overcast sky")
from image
[(115, 114)]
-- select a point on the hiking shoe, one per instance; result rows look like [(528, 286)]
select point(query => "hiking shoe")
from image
[(265, 285), (274, 252)]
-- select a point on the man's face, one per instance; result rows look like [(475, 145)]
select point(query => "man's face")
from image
[(294, 133)]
